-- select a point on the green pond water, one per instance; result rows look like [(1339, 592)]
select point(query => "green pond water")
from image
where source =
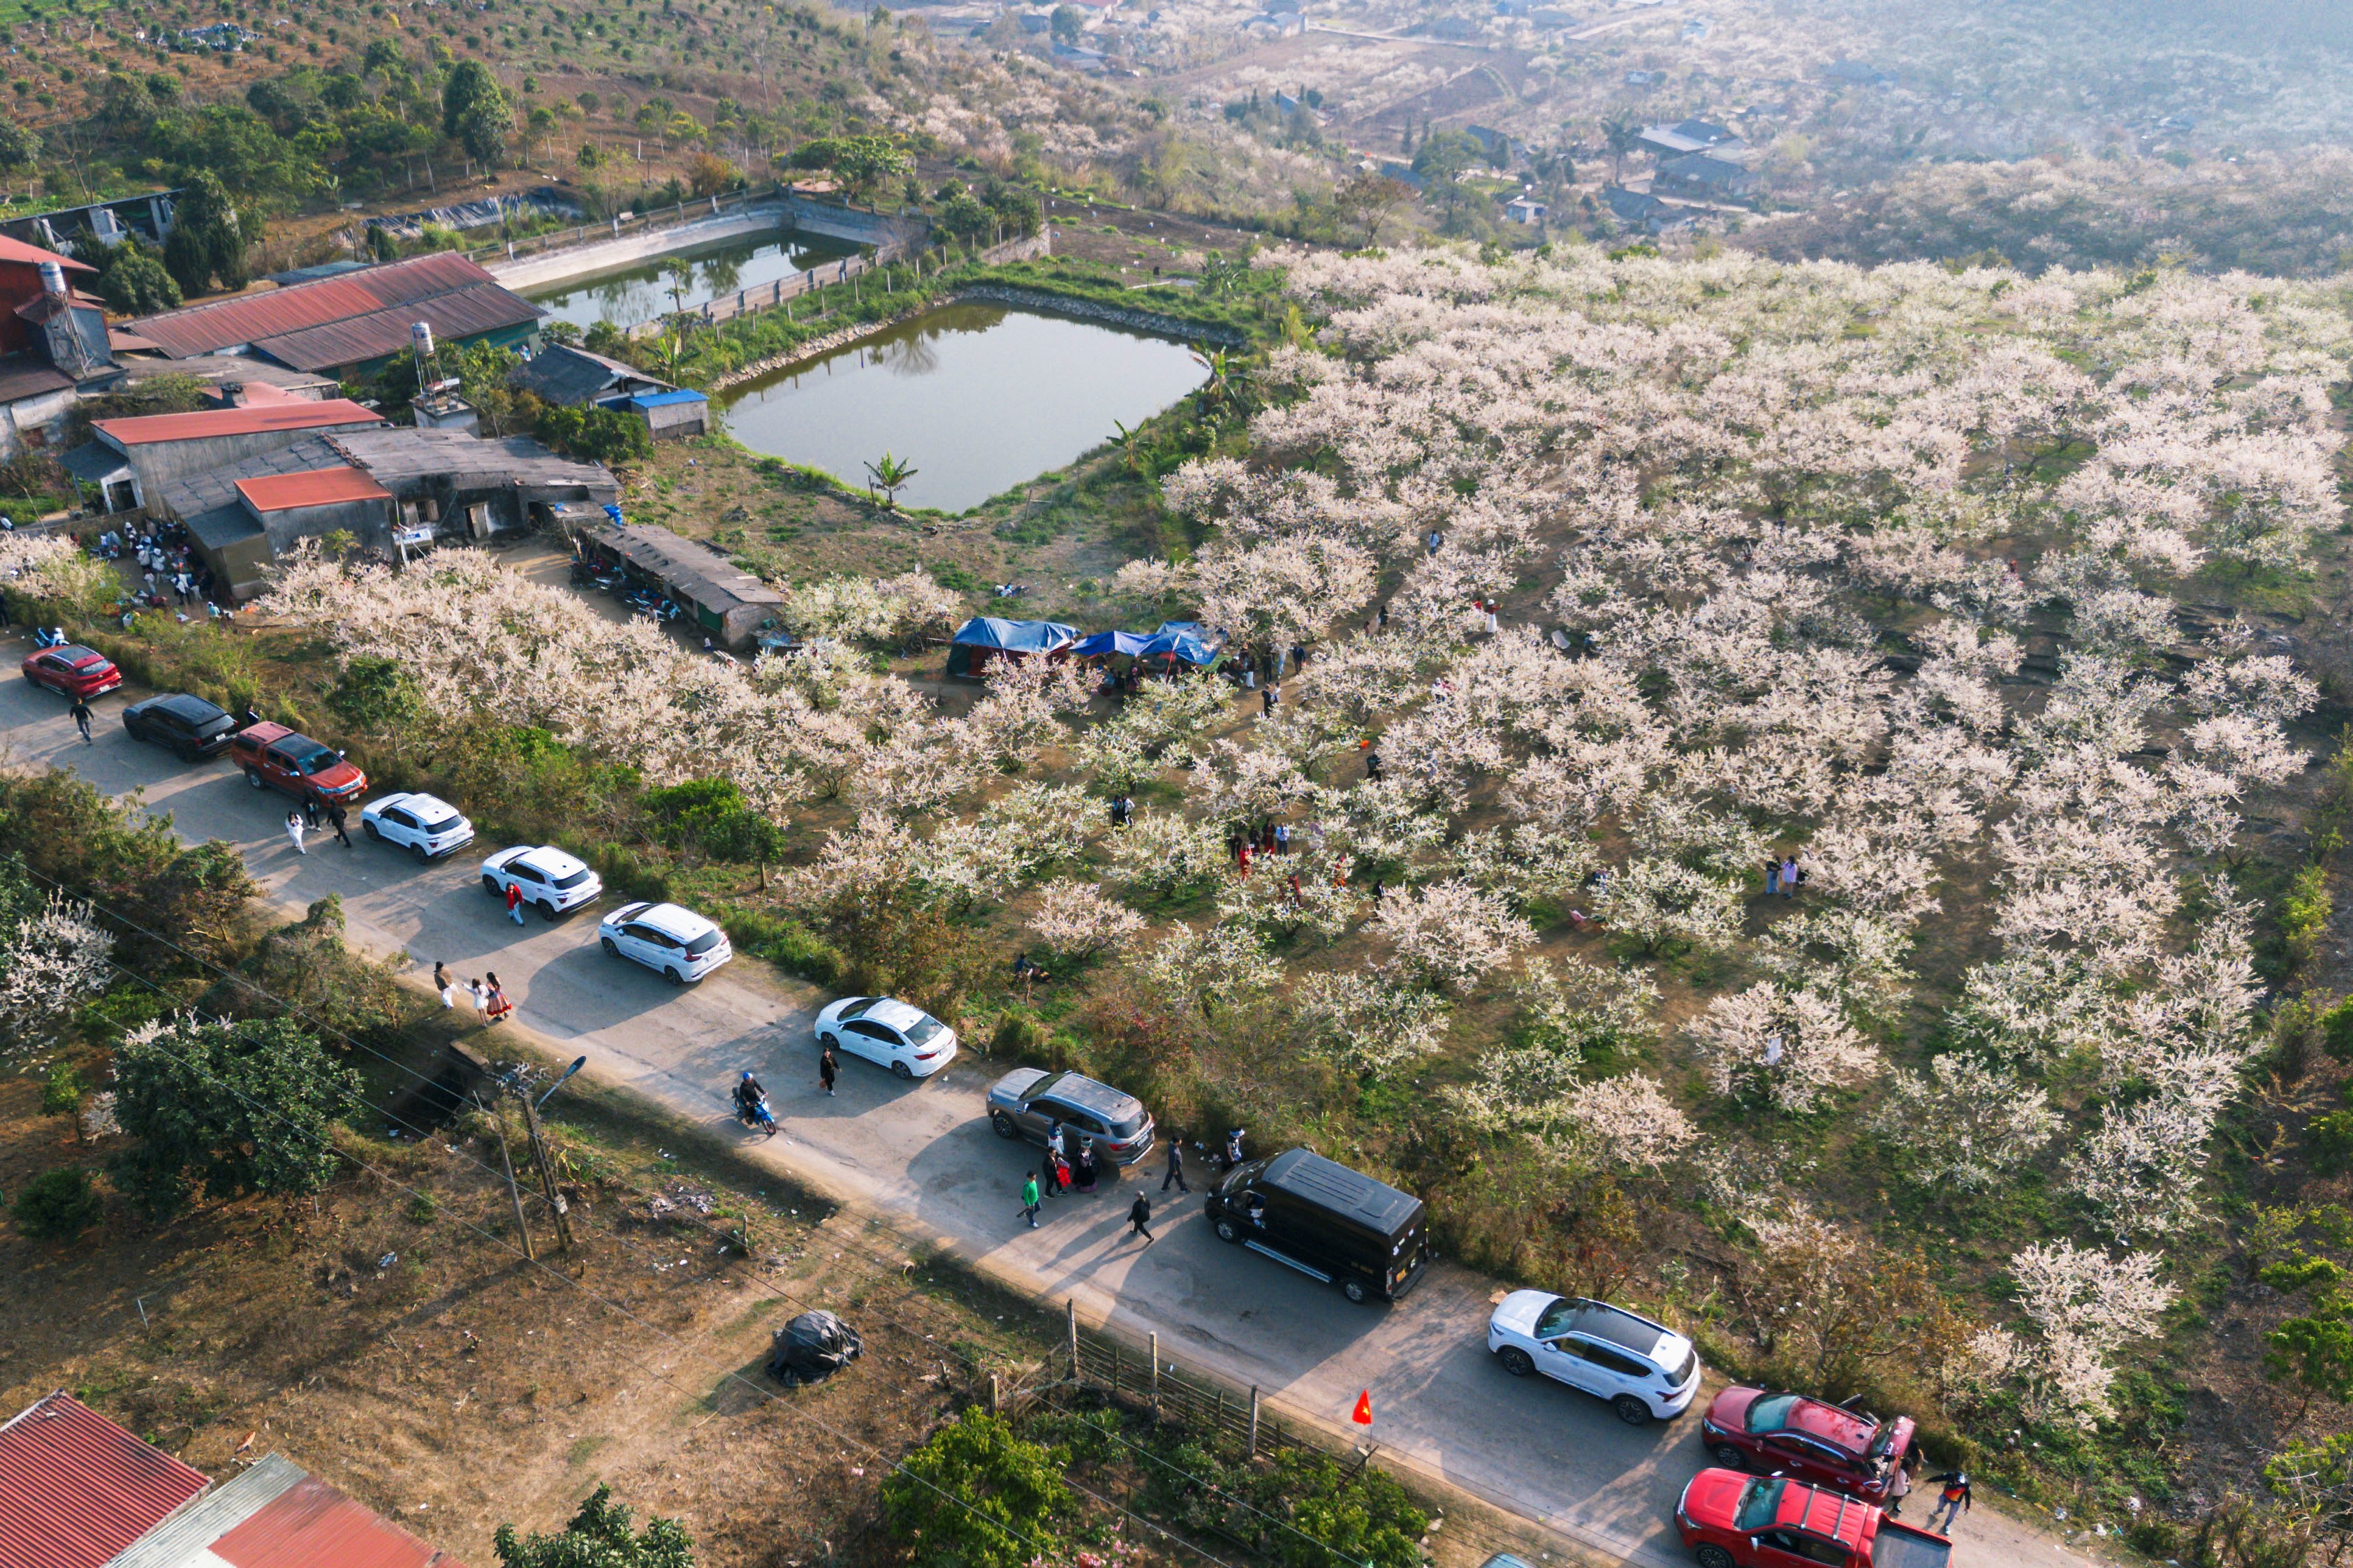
[(977, 397), (641, 292)]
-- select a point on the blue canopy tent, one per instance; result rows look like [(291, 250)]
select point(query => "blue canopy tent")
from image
[(1199, 631), (984, 637), (1179, 647), (1106, 642)]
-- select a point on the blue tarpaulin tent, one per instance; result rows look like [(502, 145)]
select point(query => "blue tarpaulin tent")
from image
[(1178, 645), (984, 637), (1103, 642)]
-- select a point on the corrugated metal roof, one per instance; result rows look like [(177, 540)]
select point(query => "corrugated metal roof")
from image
[(319, 487), (377, 334), (75, 1488), (16, 250), (278, 312), (180, 1541), (665, 399), (696, 571), (22, 375), (206, 422), (313, 1525)]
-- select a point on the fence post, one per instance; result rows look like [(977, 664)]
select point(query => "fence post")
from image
[(1253, 1435), (1070, 1316), (1153, 1342)]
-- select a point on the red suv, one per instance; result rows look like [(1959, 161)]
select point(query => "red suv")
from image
[(1789, 1435), (71, 670), (275, 757)]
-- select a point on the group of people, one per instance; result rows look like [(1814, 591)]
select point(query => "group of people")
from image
[(1263, 664), (166, 564), (1065, 1167), (489, 997), (308, 816), (1783, 876), (1267, 838)]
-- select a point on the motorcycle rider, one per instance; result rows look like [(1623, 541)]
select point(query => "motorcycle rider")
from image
[(748, 1094)]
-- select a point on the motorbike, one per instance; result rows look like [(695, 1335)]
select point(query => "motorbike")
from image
[(757, 1114)]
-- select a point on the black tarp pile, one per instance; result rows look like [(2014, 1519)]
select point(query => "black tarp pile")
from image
[(814, 1345)]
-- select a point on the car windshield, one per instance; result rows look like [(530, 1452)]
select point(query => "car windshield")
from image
[(1771, 1412), (573, 877), (697, 946), (435, 817), (1128, 1126), (1678, 1375), (1760, 1503), (923, 1031), (856, 1006), (1883, 1439), (317, 760)]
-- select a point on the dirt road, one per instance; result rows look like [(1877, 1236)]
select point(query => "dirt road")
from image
[(921, 1156)]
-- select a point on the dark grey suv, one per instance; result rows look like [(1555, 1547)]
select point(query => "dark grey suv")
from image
[(1025, 1102), (179, 722)]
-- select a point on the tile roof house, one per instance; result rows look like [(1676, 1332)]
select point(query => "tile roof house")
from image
[(75, 1488), (574, 378), (351, 323), (133, 460), (1688, 136), (1705, 175)]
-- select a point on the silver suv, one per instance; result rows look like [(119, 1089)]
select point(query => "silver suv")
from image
[(1026, 1101)]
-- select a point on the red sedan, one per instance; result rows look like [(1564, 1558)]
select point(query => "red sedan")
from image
[(72, 671), (1731, 1520), (1788, 1434)]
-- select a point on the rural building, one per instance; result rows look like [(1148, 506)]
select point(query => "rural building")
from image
[(109, 223), (727, 603), (75, 1488), (132, 460), (53, 343), (1706, 175), (350, 324), (1525, 209), (78, 1491), (574, 378), (672, 416), (390, 488), (1688, 136), (1500, 149), (1640, 210)]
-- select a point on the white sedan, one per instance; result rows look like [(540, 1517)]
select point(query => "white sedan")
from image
[(890, 1033), (550, 880), (426, 825), (678, 942)]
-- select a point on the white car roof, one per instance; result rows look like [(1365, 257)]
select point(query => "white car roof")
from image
[(552, 860), (897, 1014), (429, 806), (670, 919)]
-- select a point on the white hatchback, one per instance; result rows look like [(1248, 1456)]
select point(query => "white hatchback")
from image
[(890, 1033), (677, 942), (550, 880), (426, 825), (1638, 1368)]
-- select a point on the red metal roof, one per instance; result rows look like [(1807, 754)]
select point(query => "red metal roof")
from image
[(248, 421), (318, 487), (411, 290), (459, 314), (313, 1525), (75, 1488), (26, 254)]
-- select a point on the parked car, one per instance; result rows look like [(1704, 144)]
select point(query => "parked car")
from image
[(1824, 1444), (1640, 1369), (188, 725), (890, 1033), (275, 757), (70, 669), (552, 882), (426, 825), (1326, 1220), (678, 943), (1027, 1102), (1729, 1520)]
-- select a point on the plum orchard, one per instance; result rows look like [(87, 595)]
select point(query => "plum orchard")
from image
[(1794, 529)]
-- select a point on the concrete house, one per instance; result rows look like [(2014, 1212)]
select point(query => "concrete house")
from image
[(1688, 136), (133, 459), (1705, 175), (53, 343), (571, 377)]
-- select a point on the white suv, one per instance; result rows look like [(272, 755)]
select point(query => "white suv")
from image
[(426, 825), (679, 943), (1642, 1369), (550, 881)]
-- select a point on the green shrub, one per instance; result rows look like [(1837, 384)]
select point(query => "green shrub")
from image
[(2332, 1143), (2305, 911), (786, 943), (1019, 1037), (2337, 1031), (976, 1496), (57, 1205), (711, 814)]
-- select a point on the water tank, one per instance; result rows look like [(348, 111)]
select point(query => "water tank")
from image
[(421, 336), (53, 281)]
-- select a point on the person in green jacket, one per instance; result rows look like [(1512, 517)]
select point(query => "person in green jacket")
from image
[(1029, 1201)]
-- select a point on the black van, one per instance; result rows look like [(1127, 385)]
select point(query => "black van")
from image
[(1324, 1220)]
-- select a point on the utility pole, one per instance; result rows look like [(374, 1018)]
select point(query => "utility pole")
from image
[(546, 1171), (513, 1192)]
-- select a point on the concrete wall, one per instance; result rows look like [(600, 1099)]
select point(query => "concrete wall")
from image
[(613, 254), (34, 421), (674, 421), (836, 221)]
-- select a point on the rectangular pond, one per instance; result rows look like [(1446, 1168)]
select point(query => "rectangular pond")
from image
[(641, 292), (977, 397)]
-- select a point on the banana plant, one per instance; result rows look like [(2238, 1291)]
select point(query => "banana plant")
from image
[(889, 475)]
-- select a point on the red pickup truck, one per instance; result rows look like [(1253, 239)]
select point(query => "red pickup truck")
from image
[(1729, 1520), (274, 757)]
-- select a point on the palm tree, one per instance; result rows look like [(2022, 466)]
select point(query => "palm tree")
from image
[(889, 475)]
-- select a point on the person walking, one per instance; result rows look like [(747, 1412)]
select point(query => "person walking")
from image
[(1270, 697), (309, 810), (1372, 767), (444, 985), (1788, 875), (1283, 839), (1952, 1502), (335, 819), (294, 831), (1772, 876), (80, 711), (474, 993), (1029, 1201), (1244, 857), (1139, 1218), (515, 901), (496, 1006), (827, 1068), (1086, 1165), (1175, 1164)]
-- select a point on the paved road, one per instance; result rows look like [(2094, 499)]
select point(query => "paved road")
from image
[(921, 1156)]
